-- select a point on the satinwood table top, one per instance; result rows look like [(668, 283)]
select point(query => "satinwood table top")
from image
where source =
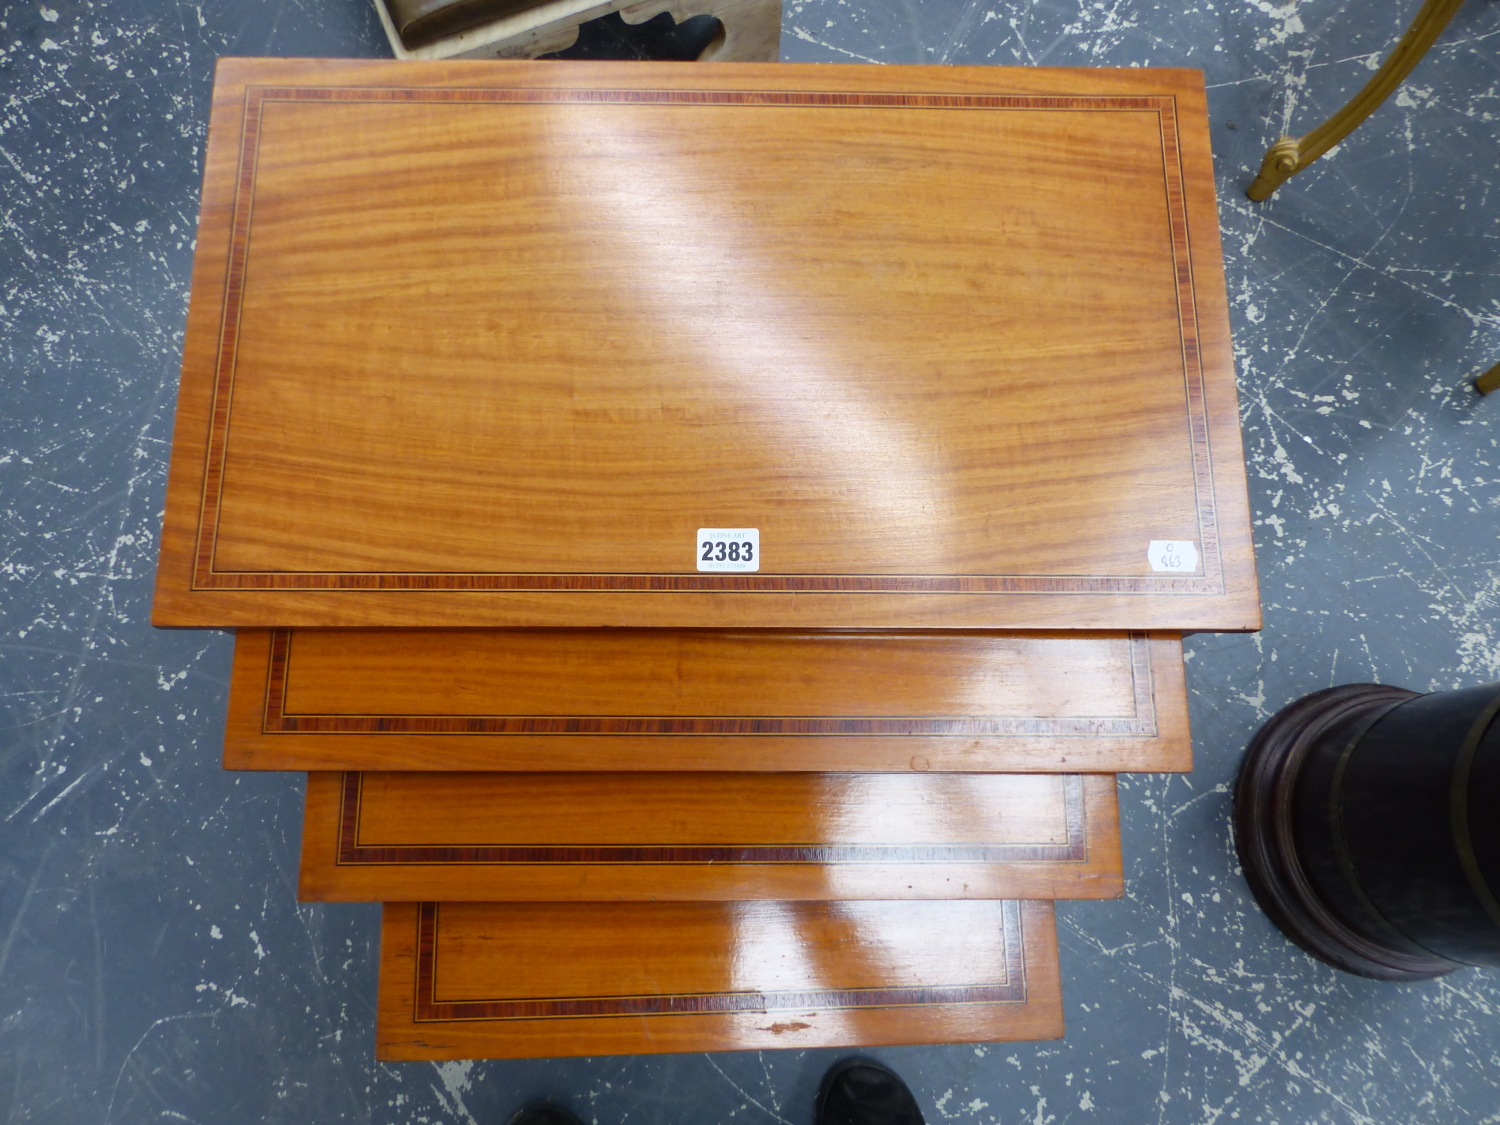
[(597, 344)]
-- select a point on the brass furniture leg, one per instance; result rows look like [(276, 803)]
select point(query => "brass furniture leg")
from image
[(1290, 155), (1489, 381)]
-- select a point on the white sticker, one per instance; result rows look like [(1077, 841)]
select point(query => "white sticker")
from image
[(1177, 556), (728, 548)]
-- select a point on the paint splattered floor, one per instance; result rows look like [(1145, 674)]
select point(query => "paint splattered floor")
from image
[(154, 965)]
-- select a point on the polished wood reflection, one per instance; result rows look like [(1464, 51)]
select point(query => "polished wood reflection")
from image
[(512, 980), (622, 837), (667, 699), (486, 344)]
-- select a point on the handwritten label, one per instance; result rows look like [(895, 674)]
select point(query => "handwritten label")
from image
[(734, 549), (1174, 556)]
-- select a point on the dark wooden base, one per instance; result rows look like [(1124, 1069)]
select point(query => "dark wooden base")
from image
[(1263, 831)]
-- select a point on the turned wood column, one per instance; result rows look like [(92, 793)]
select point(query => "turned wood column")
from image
[(1367, 820)]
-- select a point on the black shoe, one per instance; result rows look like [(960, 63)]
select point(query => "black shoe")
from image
[(544, 1113), (862, 1092)]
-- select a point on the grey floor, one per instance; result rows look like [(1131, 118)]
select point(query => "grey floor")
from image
[(154, 964)]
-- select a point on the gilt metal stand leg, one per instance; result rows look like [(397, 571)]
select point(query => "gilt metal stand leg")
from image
[(1489, 381), (1290, 155)]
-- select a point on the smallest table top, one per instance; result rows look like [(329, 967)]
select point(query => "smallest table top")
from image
[(541, 344), (483, 980)]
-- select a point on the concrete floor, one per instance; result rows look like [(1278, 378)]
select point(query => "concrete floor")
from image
[(154, 964)]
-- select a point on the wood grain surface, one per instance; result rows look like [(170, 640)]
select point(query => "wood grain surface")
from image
[(669, 699), (389, 837), (486, 344), (519, 980)]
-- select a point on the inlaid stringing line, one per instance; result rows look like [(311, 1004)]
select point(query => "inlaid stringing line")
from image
[(277, 720), (353, 851), (429, 1009), (206, 577)]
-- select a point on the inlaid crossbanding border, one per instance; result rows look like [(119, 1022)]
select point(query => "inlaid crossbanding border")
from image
[(354, 851), (1142, 723), (1210, 582), (429, 1008)]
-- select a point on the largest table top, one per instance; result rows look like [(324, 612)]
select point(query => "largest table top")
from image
[(489, 343)]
